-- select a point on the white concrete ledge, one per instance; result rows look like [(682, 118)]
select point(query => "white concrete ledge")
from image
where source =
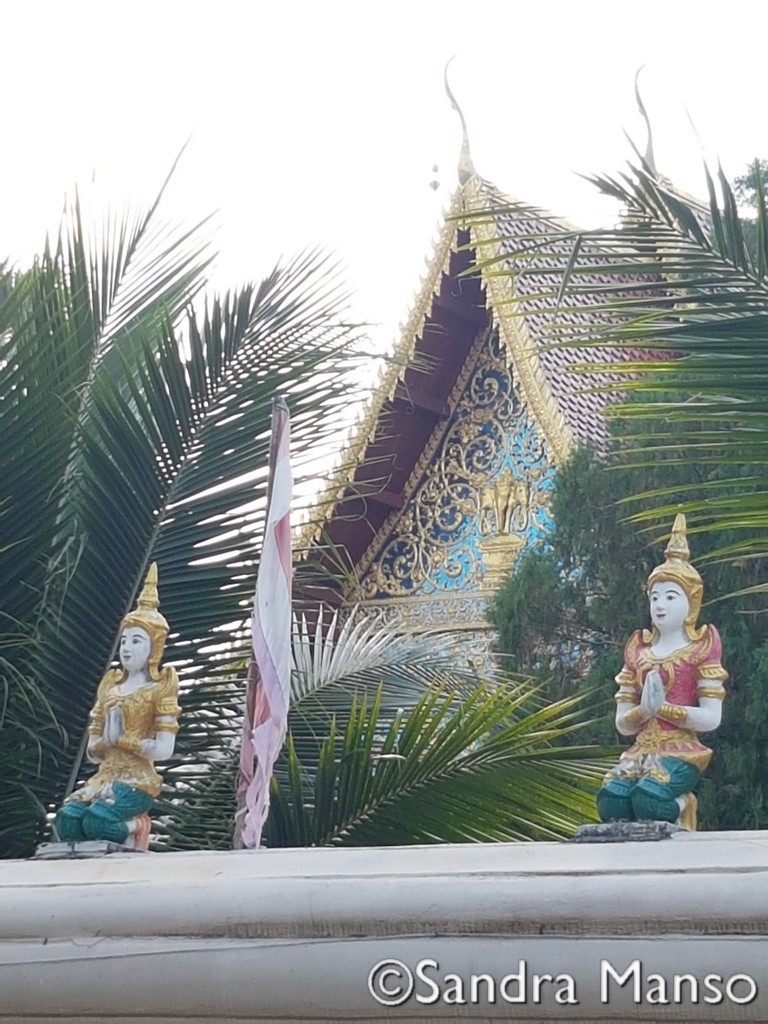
[(289, 935)]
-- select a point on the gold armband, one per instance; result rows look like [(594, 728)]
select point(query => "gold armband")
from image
[(673, 712), (96, 728), (712, 672), (716, 692), (626, 698), (168, 706)]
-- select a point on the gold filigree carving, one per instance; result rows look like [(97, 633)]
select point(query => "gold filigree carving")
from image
[(441, 612), (477, 492), (425, 459)]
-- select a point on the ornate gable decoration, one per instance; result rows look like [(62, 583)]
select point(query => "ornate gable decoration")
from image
[(477, 497), (438, 515)]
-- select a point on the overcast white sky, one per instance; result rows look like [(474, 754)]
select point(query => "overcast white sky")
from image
[(319, 122)]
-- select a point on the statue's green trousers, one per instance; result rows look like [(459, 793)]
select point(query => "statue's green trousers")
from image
[(102, 819), (647, 799)]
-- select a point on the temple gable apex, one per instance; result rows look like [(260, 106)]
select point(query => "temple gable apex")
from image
[(446, 479)]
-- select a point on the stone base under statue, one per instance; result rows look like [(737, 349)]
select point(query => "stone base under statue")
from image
[(626, 832), (81, 851)]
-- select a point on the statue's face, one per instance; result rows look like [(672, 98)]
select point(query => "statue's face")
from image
[(669, 606), (135, 648)]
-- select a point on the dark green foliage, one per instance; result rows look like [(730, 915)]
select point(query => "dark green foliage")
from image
[(696, 430), (746, 188), (392, 742), (567, 611), (30, 738), (135, 427)]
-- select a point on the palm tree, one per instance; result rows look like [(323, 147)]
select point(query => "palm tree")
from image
[(134, 415), (391, 741), (680, 284)]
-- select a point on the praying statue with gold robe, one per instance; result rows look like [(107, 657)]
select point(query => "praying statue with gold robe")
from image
[(671, 688), (132, 724)]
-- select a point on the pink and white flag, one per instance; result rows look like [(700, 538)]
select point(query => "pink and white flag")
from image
[(269, 678)]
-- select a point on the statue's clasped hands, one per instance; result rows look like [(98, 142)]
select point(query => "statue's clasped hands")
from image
[(114, 735), (653, 696)]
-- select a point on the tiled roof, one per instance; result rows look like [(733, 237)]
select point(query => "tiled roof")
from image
[(538, 252)]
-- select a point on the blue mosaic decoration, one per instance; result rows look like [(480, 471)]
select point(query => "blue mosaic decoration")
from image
[(480, 497)]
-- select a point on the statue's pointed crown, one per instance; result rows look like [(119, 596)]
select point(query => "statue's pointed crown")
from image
[(146, 616), (677, 549), (148, 599), (677, 568)]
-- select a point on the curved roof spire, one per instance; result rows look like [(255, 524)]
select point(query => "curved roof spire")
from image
[(648, 158), (466, 167)]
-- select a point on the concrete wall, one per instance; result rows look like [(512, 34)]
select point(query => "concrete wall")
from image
[(293, 935)]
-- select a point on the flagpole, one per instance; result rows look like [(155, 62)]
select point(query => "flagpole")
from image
[(246, 765), (265, 715)]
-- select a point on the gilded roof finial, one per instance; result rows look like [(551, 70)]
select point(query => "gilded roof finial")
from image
[(648, 158), (466, 167)]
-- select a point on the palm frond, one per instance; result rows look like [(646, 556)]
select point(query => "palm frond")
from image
[(353, 649), (178, 472), (135, 428), (60, 323), (453, 769), (30, 741), (387, 733)]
